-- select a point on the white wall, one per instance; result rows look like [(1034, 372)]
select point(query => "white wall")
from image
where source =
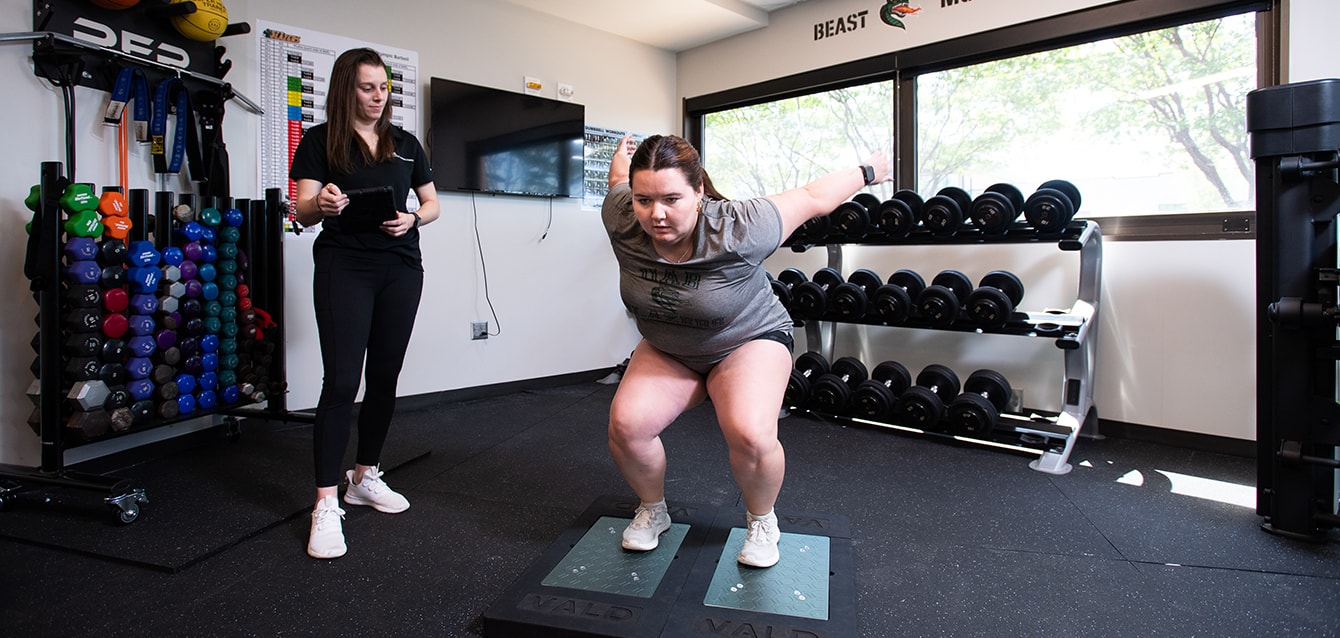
[(1177, 333), (556, 299)]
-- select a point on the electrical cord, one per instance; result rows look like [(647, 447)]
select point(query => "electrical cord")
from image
[(479, 244)]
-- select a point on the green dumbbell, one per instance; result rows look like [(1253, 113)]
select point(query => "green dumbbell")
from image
[(78, 198), (84, 224)]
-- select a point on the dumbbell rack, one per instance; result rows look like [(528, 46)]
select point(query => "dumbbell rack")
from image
[(1073, 330), (261, 234), (1295, 131)]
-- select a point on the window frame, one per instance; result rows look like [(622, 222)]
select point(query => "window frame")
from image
[(1080, 27)]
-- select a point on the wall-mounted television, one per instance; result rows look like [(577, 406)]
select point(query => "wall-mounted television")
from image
[(494, 141)]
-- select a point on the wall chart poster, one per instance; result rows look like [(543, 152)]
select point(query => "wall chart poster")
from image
[(295, 66), (601, 143)]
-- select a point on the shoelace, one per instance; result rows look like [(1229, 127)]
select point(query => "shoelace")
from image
[(758, 532), (643, 518), (372, 481), (325, 516)]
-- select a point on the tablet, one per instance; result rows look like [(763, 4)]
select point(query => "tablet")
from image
[(367, 209)]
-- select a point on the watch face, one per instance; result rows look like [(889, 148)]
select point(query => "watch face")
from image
[(868, 172)]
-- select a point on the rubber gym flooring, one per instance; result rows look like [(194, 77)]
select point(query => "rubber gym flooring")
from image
[(946, 540)]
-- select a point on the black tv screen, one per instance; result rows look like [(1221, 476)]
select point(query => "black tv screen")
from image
[(495, 141)]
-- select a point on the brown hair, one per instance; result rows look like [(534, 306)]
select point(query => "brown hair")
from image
[(342, 102), (659, 152)]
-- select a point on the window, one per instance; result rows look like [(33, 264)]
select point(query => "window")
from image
[(771, 147), (1149, 123)]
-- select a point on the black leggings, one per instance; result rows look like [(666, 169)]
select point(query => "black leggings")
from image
[(365, 303)]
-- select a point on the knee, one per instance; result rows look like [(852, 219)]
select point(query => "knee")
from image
[(753, 445)]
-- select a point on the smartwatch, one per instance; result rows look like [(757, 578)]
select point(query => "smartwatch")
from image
[(868, 172), (417, 220)]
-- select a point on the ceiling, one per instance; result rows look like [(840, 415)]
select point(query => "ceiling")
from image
[(671, 25)]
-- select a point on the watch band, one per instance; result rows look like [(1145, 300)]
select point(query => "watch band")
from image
[(868, 172)]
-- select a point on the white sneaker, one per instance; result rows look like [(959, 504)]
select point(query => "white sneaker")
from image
[(760, 542), (643, 534), (375, 492), (327, 537)]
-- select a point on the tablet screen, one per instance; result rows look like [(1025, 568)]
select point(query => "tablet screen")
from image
[(367, 209)]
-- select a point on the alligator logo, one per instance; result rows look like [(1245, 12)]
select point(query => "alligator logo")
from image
[(894, 10)]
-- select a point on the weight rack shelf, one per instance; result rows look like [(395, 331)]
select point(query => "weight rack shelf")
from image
[(1034, 434), (1072, 330)]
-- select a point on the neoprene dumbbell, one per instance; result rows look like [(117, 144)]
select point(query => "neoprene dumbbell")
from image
[(996, 208), (922, 406), (875, 397), (893, 302), (1051, 207), (807, 368), (941, 302), (850, 300), (809, 300), (901, 214), (943, 214), (832, 391), (975, 412), (993, 302)]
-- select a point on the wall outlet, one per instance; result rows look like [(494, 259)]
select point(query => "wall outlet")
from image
[(479, 330)]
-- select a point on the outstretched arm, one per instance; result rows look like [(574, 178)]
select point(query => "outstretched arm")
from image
[(622, 159), (824, 194)]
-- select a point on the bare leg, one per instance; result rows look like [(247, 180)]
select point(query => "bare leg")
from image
[(654, 391), (747, 389)]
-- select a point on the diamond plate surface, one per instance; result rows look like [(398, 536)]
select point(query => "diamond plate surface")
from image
[(599, 563), (796, 586)]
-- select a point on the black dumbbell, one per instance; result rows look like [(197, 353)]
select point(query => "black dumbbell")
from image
[(996, 208), (809, 300), (832, 391), (996, 297), (893, 302), (808, 367), (850, 220), (943, 214), (875, 397), (922, 406), (785, 283), (975, 412), (941, 302), (813, 231), (850, 300), (900, 215), (1052, 206)]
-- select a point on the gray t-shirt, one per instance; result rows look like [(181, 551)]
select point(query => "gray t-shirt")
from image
[(703, 309)]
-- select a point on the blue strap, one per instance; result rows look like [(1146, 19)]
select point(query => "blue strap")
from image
[(131, 84), (185, 129)]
